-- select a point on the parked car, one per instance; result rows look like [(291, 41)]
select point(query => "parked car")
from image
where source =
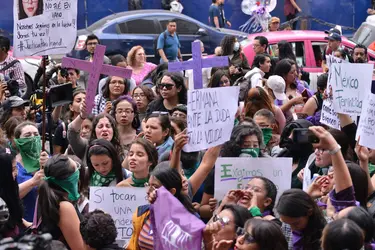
[(365, 34), (308, 47), (121, 31)]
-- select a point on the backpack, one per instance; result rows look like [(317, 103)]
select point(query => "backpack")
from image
[(157, 55)]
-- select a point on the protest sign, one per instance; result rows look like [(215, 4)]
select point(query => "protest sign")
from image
[(120, 203), (332, 59), (350, 85), (44, 27), (198, 63), (328, 115), (210, 116), (235, 173), (366, 126), (174, 227)]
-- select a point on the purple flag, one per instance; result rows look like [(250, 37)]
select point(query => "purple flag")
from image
[(173, 226)]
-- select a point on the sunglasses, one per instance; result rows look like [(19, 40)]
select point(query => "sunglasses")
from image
[(247, 236), (168, 86), (223, 220)]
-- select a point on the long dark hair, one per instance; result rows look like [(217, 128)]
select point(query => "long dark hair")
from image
[(216, 77), (151, 151), (103, 147), (286, 51), (283, 68), (148, 92), (136, 122), (227, 45), (50, 194), (179, 81), (271, 191), (364, 220), (171, 178), (165, 123), (9, 190), (115, 139), (264, 230), (22, 14), (297, 203), (106, 93)]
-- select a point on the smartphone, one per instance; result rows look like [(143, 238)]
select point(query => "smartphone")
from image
[(305, 94), (304, 136)]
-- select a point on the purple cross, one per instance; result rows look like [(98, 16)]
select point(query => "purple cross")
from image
[(198, 63), (95, 68)]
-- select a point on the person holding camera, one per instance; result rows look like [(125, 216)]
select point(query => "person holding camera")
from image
[(10, 66)]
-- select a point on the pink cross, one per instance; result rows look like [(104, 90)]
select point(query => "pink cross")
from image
[(95, 68)]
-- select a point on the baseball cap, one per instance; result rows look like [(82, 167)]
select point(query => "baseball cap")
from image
[(14, 102), (275, 20), (333, 30), (333, 37), (277, 84)]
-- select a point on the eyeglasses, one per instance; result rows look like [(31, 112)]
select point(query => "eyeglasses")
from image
[(321, 151), (126, 111), (247, 236), (140, 96), (168, 86), (223, 220), (27, 1)]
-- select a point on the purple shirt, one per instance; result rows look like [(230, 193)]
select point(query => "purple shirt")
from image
[(297, 237), (343, 199)]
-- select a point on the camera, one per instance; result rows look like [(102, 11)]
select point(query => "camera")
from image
[(57, 95), (304, 136), (64, 72), (27, 242)]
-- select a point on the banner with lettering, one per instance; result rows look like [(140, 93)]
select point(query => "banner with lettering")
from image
[(173, 226), (235, 173), (44, 27), (120, 203), (211, 113), (328, 115), (350, 84), (366, 126)]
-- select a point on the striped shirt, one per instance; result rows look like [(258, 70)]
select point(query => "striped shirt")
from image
[(15, 72), (146, 239)]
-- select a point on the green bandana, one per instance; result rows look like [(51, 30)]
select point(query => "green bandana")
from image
[(267, 135), (98, 180), (253, 152), (139, 182), (70, 185), (30, 149)]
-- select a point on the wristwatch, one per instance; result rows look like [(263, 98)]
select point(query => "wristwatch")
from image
[(334, 151)]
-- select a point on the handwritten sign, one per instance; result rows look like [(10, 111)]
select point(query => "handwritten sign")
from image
[(332, 59), (95, 69), (120, 203), (366, 126), (44, 27), (235, 173), (210, 116), (329, 116), (350, 85), (198, 63)]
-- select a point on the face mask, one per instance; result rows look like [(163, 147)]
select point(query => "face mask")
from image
[(30, 149), (236, 46), (267, 135), (70, 185), (250, 152)]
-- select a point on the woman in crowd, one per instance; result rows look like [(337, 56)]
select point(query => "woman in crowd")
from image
[(238, 65), (261, 66), (9, 128), (60, 141), (103, 165), (315, 103), (341, 53), (153, 77), (157, 131), (223, 227), (9, 192), (172, 92), (170, 179), (305, 221), (219, 79), (286, 51), (137, 62), (11, 110), (142, 159), (125, 112), (85, 132), (142, 95), (114, 88), (57, 194), (103, 127), (29, 161), (260, 234), (29, 8)]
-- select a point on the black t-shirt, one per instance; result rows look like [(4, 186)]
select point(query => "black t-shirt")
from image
[(60, 137), (209, 183), (156, 105)]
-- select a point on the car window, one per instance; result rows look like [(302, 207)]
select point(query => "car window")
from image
[(298, 50), (138, 26), (183, 27), (318, 49)]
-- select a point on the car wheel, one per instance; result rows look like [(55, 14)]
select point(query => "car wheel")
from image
[(28, 90)]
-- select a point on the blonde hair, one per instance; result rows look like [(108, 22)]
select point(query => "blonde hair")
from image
[(132, 53)]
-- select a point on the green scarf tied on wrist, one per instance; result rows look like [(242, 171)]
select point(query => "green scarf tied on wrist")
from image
[(98, 180), (267, 135), (30, 148), (70, 185)]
